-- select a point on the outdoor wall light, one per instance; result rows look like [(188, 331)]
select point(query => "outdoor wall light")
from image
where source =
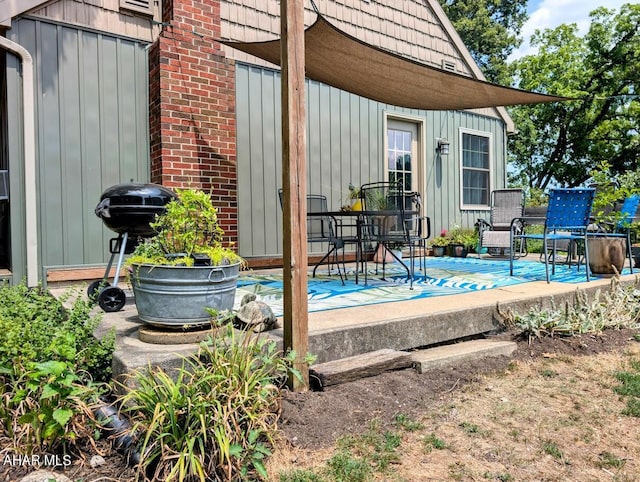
[(443, 147)]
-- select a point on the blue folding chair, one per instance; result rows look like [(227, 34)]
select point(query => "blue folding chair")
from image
[(622, 229), (567, 218)]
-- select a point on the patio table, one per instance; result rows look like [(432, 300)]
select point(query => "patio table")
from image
[(359, 217)]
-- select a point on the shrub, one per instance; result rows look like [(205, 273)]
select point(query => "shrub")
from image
[(49, 360), (46, 409), (36, 327), (215, 419), (188, 227)]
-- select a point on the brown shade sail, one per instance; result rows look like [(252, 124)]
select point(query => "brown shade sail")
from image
[(336, 58)]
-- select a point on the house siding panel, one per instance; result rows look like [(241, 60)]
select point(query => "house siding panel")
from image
[(345, 143), (91, 126)]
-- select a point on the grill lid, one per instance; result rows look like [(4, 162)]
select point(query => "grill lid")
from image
[(130, 207)]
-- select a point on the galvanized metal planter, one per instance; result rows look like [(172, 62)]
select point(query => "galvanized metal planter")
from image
[(175, 296)]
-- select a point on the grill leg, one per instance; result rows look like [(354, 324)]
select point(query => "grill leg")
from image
[(123, 246)]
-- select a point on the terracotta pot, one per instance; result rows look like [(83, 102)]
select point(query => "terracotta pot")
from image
[(606, 253)]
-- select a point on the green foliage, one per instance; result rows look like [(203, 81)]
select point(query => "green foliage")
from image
[(472, 429), (559, 143), (36, 327), (49, 360), (440, 240), (468, 237), (189, 226), (189, 223), (551, 448), (215, 418), (46, 408), (608, 193), (359, 457), (618, 307), (535, 197), (375, 450), (407, 424), (432, 442), (490, 29), (547, 373), (630, 387), (300, 476), (344, 467), (609, 460)]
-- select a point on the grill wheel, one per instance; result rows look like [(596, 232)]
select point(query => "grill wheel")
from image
[(112, 299)]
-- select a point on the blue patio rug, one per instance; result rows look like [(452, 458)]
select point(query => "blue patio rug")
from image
[(442, 276)]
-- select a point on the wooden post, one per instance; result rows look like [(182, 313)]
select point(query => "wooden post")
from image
[(294, 186)]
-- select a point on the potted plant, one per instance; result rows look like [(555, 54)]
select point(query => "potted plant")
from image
[(184, 271), (607, 253), (353, 198), (462, 241), (439, 244)]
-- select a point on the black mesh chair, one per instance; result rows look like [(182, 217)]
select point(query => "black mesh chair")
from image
[(390, 221), (324, 230), (419, 228)]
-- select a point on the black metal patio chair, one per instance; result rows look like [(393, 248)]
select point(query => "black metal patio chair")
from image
[(324, 230), (391, 221)]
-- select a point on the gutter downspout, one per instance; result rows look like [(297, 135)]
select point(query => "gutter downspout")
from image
[(30, 184)]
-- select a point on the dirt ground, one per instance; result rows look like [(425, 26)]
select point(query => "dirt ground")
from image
[(315, 420), (552, 389)]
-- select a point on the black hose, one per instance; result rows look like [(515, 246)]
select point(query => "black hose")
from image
[(119, 429)]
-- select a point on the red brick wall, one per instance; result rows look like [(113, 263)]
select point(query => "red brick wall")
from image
[(192, 107)]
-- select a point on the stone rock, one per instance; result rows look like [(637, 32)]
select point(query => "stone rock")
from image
[(44, 476), (97, 461)]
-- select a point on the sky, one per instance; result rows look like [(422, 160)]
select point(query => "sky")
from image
[(551, 13)]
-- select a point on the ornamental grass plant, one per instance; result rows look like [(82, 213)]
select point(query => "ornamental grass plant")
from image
[(214, 418)]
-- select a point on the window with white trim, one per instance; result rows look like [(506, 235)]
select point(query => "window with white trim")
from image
[(475, 160)]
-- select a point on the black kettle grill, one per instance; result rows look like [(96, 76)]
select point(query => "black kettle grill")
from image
[(127, 209)]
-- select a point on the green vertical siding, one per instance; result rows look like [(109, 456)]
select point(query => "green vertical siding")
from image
[(345, 143), (91, 129)]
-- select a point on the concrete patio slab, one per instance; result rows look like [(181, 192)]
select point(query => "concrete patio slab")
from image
[(398, 326)]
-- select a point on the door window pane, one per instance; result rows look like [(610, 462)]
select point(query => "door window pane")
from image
[(399, 157)]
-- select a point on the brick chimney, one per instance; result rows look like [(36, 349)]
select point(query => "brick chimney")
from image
[(192, 107)]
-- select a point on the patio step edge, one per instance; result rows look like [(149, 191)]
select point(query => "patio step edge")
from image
[(358, 366), (441, 356)]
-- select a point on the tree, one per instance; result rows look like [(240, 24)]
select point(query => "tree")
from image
[(561, 142), (490, 29)]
